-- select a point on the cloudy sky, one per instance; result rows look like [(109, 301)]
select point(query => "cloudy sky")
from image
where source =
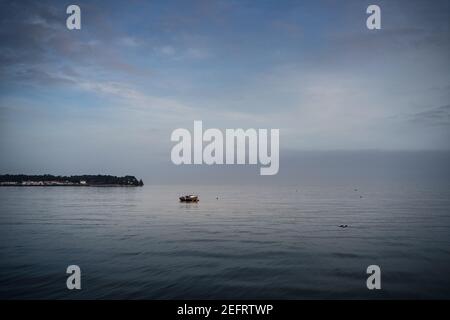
[(108, 96)]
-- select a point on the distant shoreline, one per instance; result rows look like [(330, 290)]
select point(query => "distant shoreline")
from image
[(70, 185), (22, 180)]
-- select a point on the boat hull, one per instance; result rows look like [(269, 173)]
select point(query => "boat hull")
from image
[(189, 199)]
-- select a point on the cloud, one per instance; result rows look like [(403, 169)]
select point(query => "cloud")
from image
[(129, 42), (166, 50), (197, 53), (439, 117), (325, 83), (188, 53), (33, 36)]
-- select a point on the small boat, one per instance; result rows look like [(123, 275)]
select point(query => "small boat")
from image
[(189, 198)]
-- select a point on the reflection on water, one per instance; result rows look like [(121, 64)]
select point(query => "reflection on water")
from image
[(251, 242)]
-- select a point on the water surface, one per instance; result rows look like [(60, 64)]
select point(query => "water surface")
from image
[(280, 242)]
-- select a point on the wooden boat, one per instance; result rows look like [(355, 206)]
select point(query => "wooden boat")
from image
[(189, 198)]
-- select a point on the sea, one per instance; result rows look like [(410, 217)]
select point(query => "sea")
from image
[(238, 242)]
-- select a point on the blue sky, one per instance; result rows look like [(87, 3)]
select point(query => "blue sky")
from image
[(113, 91)]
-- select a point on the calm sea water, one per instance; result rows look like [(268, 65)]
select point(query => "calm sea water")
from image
[(253, 242)]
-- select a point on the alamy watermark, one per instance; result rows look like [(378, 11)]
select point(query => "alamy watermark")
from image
[(373, 22), (189, 149), (374, 279), (73, 22), (74, 280)]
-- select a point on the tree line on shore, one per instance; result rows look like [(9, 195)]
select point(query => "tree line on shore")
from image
[(79, 179)]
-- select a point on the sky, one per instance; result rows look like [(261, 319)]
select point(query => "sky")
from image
[(105, 99)]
